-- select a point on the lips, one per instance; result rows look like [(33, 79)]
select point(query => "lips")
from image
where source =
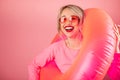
[(69, 28)]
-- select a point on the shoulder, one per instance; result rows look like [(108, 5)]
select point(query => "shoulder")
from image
[(55, 45)]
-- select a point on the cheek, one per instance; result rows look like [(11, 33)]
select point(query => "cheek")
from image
[(61, 27), (77, 27)]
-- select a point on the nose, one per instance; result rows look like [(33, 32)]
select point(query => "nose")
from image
[(69, 22)]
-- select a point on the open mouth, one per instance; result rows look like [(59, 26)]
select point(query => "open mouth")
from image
[(69, 28)]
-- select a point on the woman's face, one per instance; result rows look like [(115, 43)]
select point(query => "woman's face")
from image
[(69, 23)]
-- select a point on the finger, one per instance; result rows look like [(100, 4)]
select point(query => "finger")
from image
[(116, 32), (118, 26), (116, 29)]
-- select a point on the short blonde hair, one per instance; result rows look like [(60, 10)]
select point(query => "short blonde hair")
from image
[(79, 11)]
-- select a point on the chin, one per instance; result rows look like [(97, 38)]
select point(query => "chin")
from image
[(70, 36)]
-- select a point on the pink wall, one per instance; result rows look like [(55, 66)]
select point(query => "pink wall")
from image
[(27, 26)]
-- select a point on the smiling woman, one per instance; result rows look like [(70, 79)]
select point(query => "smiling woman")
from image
[(70, 20), (78, 56)]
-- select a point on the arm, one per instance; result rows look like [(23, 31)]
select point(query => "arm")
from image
[(38, 62), (117, 33), (114, 70)]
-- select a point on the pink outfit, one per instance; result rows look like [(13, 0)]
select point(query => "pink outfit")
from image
[(63, 57)]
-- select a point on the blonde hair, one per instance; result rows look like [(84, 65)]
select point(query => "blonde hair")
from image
[(79, 11)]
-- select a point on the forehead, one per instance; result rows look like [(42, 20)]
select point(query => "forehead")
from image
[(68, 12)]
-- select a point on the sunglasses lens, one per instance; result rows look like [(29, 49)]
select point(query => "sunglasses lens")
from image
[(63, 20), (74, 19)]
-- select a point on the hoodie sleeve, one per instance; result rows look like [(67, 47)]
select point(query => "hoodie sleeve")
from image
[(114, 70), (38, 62)]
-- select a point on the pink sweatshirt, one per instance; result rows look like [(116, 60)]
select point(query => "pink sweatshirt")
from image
[(63, 57)]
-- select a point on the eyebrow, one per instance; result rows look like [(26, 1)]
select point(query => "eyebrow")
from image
[(65, 16)]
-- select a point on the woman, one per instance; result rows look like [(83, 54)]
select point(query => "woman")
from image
[(70, 21)]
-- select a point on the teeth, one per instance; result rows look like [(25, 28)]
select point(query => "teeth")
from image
[(69, 27)]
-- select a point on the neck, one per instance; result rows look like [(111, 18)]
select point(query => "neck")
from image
[(73, 42)]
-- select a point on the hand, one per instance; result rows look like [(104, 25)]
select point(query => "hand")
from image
[(117, 33)]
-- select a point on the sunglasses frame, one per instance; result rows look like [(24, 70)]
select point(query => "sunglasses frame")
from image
[(73, 19)]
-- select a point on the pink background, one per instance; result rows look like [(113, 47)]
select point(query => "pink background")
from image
[(28, 26)]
